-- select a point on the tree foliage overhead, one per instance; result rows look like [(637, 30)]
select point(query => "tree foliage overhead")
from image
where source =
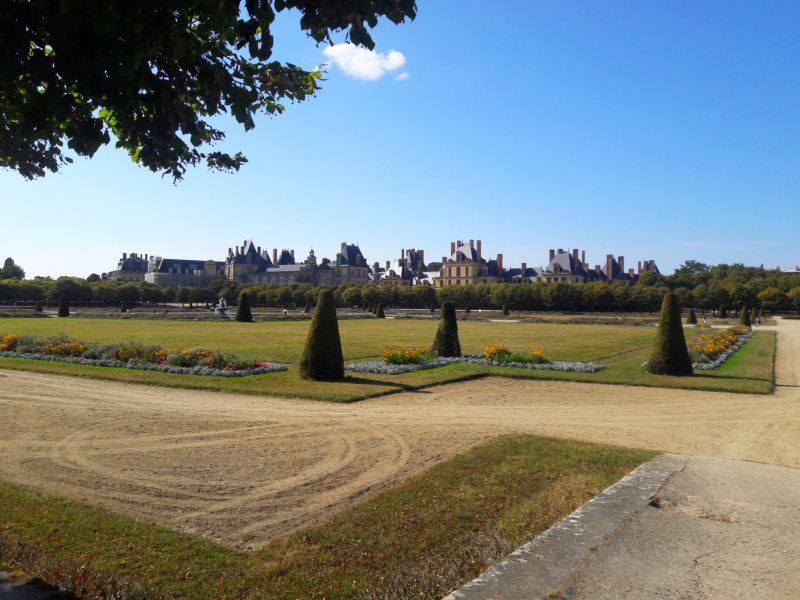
[(153, 74)]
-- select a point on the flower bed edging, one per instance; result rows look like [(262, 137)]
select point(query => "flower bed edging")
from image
[(382, 368), (107, 362)]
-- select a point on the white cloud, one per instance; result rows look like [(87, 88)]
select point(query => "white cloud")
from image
[(361, 63), (401, 77)]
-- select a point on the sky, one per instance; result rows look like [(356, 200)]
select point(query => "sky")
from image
[(664, 130)]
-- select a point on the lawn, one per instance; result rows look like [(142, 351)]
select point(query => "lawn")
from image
[(621, 349), (419, 539)]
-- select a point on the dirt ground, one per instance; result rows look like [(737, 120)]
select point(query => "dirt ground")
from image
[(243, 470)]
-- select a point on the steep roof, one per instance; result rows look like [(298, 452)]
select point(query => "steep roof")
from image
[(180, 265), (512, 274), (465, 253), (285, 258), (565, 262), (351, 255), (248, 255)]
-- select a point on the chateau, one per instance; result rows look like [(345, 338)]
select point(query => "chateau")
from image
[(245, 264), (466, 264)]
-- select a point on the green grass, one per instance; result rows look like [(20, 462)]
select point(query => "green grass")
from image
[(620, 349), (420, 539)]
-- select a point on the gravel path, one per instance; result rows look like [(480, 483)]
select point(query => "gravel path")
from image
[(243, 470)]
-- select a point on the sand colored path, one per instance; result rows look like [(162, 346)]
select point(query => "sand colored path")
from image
[(243, 470)]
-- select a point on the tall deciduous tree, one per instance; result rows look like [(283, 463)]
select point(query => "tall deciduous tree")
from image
[(11, 270), (154, 74)]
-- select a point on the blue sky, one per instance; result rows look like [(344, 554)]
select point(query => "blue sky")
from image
[(666, 130)]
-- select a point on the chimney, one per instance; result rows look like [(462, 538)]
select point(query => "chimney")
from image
[(499, 264), (444, 259), (258, 249), (652, 264), (575, 256), (375, 266), (479, 250), (585, 266), (244, 243), (583, 259), (621, 261), (560, 250), (610, 266), (421, 255), (640, 268), (597, 270), (472, 243), (124, 255), (387, 266), (274, 256), (452, 248), (630, 273), (552, 255), (524, 269), (291, 253), (402, 253), (237, 250), (145, 256)]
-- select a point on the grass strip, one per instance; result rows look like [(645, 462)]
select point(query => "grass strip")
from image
[(751, 370), (419, 539)]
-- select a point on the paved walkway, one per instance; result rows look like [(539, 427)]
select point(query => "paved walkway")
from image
[(686, 527)]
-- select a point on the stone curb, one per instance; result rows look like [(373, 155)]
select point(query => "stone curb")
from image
[(543, 565)]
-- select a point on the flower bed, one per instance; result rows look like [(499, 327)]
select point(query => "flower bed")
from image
[(380, 367), (499, 354), (133, 355), (408, 355), (709, 352)]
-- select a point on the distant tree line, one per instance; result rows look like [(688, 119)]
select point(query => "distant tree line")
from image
[(705, 288)]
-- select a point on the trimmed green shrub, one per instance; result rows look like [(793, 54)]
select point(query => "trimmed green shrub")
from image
[(691, 319), (670, 355), (379, 313), (39, 307), (322, 356), (446, 341), (243, 312), (744, 318), (307, 307), (63, 306), (505, 309), (753, 315), (723, 311), (466, 308)]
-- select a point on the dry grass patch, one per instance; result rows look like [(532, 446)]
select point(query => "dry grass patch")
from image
[(420, 539)]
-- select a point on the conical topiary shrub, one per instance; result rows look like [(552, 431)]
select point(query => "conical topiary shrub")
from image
[(307, 308), (505, 309), (322, 356), (39, 307), (446, 341), (379, 313), (723, 311), (744, 319), (691, 318), (243, 312), (753, 315), (63, 306), (670, 355)]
